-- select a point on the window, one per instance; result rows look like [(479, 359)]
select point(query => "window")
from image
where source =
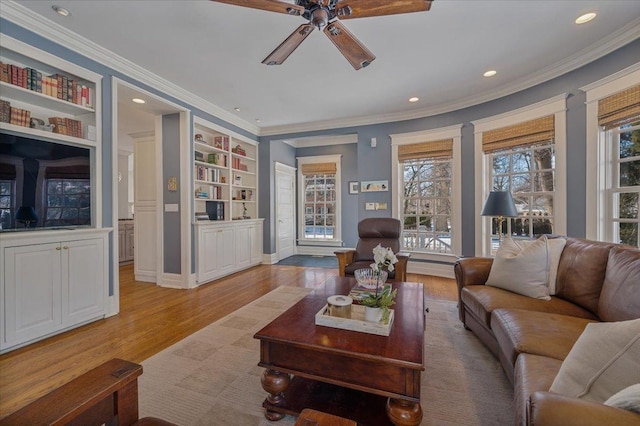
[(613, 158), (426, 196), (426, 193), (8, 194), (68, 201), (319, 183), (521, 152)]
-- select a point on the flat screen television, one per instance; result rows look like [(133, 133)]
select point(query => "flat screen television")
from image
[(44, 184)]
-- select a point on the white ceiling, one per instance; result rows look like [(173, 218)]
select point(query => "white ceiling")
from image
[(214, 51)]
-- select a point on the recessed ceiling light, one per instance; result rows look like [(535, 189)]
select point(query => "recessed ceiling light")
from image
[(237, 109), (585, 18), (138, 101), (490, 73), (414, 99), (61, 10)]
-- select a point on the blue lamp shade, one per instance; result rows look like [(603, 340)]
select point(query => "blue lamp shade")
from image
[(26, 215), (500, 203)]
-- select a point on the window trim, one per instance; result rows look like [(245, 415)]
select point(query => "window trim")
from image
[(596, 150), (337, 241), (557, 107), (451, 132)]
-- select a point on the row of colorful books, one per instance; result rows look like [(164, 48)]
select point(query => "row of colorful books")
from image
[(207, 174), (56, 85)]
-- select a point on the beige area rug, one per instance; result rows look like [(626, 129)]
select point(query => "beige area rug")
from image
[(212, 377)]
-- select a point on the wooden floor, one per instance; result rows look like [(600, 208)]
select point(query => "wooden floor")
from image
[(152, 318)]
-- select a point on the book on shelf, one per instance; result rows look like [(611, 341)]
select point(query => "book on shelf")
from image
[(221, 142), (217, 159), (66, 126), (19, 117), (5, 111), (238, 149)]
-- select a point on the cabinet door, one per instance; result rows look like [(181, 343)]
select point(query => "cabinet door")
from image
[(122, 245), (226, 251), (207, 254), (31, 299), (243, 247), (83, 295), (129, 235), (256, 244)]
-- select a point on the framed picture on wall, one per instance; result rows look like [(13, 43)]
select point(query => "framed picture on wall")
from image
[(374, 186), (353, 187)]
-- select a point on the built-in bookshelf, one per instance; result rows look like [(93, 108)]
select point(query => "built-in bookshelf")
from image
[(225, 168), (45, 97)]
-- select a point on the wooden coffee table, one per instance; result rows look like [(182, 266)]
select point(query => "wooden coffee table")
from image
[(372, 379)]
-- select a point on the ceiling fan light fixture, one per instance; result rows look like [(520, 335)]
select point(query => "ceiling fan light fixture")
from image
[(583, 19), (414, 99), (319, 18), (490, 73)]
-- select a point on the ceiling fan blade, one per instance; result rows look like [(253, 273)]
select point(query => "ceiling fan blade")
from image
[(348, 9), (282, 52), (350, 47), (270, 5)]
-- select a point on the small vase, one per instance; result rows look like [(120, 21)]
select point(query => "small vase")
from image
[(372, 314)]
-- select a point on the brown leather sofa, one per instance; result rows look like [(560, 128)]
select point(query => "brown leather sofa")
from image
[(372, 231), (596, 281)]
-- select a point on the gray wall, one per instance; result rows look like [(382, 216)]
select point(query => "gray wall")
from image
[(370, 163), (374, 163), (171, 169)]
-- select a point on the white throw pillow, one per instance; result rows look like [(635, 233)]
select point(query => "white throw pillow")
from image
[(555, 246), (604, 360), (522, 270), (627, 399)]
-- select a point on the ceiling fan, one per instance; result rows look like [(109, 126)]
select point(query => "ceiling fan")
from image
[(326, 15)]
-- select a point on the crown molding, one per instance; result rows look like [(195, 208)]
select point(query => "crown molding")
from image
[(614, 41), (38, 24), (46, 28), (313, 141)]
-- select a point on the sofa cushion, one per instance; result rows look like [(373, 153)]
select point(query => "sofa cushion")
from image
[(522, 269), (538, 333), (581, 272), (620, 297), (532, 373), (481, 300), (555, 246), (604, 360)]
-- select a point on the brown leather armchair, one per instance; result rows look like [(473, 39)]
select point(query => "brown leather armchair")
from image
[(385, 231)]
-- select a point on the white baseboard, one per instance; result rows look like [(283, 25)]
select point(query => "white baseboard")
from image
[(147, 278), (427, 268), (173, 281), (269, 259), (113, 306)]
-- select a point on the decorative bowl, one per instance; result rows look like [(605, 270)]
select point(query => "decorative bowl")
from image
[(368, 278)]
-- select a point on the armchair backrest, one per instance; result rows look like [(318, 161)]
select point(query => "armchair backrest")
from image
[(377, 230)]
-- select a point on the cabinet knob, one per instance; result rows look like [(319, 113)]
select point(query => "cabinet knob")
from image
[(58, 248), (65, 247)]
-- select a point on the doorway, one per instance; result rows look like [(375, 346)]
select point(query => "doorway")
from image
[(285, 177)]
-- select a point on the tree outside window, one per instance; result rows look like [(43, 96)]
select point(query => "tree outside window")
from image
[(68, 202), (625, 184)]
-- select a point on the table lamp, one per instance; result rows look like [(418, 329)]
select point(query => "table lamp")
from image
[(26, 215), (499, 204)]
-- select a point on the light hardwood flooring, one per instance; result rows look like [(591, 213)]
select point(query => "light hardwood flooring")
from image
[(152, 318)]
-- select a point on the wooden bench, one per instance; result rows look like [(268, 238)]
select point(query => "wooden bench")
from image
[(107, 395)]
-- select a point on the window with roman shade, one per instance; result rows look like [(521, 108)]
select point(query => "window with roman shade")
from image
[(522, 161), (619, 118), (426, 200), (68, 195), (7, 195), (319, 185)]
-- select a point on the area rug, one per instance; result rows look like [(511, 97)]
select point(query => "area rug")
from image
[(330, 262), (212, 377)]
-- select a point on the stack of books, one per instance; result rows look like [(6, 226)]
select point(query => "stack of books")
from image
[(19, 117), (66, 126)]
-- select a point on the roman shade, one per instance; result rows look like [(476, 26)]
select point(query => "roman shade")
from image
[(432, 149), (319, 168), (7, 171), (620, 108), (68, 172), (526, 133)]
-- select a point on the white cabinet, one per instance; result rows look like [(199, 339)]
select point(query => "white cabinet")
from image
[(125, 240), (225, 248), (51, 281)]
